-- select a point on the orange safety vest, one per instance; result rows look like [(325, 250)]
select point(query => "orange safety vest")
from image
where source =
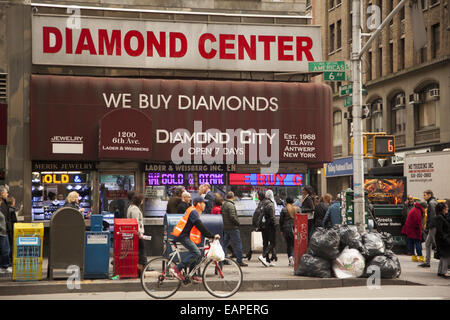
[(195, 235)]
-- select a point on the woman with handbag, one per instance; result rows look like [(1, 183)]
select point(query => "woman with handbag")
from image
[(442, 226), (287, 217)]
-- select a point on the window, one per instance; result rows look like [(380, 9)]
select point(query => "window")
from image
[(391, 57), (401, 55), (339, 34), (337, 128), (332, 38), (402, 13), (398, 114), (435, 40), (424, 4), (331, 4), (369, 66), (377, 116), (380, 62), (426, 112), (423, 52), (390, 8)]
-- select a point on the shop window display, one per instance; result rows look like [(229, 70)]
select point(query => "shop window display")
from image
[(50, 189)]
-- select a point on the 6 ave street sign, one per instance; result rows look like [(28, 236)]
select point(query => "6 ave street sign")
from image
[(335, 76)]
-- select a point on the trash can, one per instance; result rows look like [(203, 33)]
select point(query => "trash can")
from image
[(300, 237), (27, 254), (96, 255), (126, 248)]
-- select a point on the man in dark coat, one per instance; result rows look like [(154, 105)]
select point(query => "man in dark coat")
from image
[(442, 226), (172, 204), (231, 230), (267, 225), (210, 197)]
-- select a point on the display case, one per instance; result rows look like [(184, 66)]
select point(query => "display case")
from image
[(50, 189)]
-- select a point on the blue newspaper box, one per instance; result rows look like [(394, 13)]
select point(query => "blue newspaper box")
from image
[(96, 258), (96, 222), (213, 222)]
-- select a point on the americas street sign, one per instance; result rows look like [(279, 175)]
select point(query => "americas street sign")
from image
[(323, 66)]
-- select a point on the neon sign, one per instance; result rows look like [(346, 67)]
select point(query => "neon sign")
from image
[(61, 178), (255, 179), (180, 178)]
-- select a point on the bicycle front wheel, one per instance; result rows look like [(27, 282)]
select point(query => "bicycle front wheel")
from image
[(157, 280), (222, 279)]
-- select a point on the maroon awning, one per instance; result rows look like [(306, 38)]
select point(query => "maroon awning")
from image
[(67, 112)]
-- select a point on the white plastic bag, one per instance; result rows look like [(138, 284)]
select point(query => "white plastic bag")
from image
[(216, 252), (349, 264), (256, 241)]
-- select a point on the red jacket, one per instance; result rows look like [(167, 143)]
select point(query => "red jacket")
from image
[(413, 225), (216, 210)]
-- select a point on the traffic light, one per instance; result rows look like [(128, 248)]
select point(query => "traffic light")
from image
[(383, 146), (364, 146)]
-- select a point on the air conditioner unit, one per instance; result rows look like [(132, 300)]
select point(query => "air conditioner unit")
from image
[(378, 107), (400, 101), (433, 93), (414, 98)]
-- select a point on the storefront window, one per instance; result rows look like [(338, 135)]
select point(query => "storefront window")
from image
[(113, 193), (50, 189)]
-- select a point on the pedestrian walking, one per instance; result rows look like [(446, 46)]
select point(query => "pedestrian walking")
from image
[(135, 212), (287, 217), (5, 265), (413, 231), (231, 232), (442, 237), (185, 202), (12, 219), (333, 215), (209, 198), (429, 230), (321, 210), (218, 201), (256, 218), (172, 204), (268, 228), (308, 207)]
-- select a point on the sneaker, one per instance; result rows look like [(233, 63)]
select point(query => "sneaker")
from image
[(424, 265), (263, 261), (196, 279), (272, 264), (242, 264), (421, 259), (6, 270), (414, 258), (291, 261), (177, 273)]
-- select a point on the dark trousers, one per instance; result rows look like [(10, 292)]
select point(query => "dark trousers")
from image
[(142, 254), (4, 252), (233, 237), (414, 244), (269, 242), (310, 228), (289, 238)]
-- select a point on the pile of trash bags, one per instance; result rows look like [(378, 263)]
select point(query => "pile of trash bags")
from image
[(345, 253)]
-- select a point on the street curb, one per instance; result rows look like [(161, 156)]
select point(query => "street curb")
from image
[(134, 285)]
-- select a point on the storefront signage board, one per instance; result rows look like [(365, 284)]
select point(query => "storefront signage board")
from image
[(110, 42), (254, 179)]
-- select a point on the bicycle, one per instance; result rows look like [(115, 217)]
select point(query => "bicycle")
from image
[(221, 279)]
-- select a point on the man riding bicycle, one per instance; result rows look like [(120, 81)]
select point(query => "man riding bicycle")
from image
[(188, 232)]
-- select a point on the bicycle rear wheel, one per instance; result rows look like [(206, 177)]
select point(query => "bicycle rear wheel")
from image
[(222, 279), (157, 280)]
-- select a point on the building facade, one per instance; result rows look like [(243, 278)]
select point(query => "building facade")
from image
[(407, 90)]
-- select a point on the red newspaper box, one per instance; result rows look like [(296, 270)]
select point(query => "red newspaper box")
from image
[(126, 248), (300, 237)]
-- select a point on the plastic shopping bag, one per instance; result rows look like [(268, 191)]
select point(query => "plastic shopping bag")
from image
[(216, 252), (349, 264), (256, 241)]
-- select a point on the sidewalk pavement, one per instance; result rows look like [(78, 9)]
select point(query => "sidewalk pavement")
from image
[(256, 278)]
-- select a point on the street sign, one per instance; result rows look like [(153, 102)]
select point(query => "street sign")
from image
[(335, 76), (348, 101), (323, 66), (347, 90)]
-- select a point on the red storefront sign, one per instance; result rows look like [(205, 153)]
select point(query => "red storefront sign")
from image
[(192, 120), (255, 179), (125, 134)]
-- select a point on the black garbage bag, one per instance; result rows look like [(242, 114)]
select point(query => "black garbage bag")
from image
[(311, 266), (388, 240), (388, 264), (350, 237), (373, 245), (324, 243)]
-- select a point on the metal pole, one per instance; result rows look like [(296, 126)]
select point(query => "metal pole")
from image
[(358, 158)]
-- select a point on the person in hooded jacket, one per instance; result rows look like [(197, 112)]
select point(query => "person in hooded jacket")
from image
[(321, 209), (413, 231), (268, 227), (442, 238), (308, 207), (256, 219), (287, 218)]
